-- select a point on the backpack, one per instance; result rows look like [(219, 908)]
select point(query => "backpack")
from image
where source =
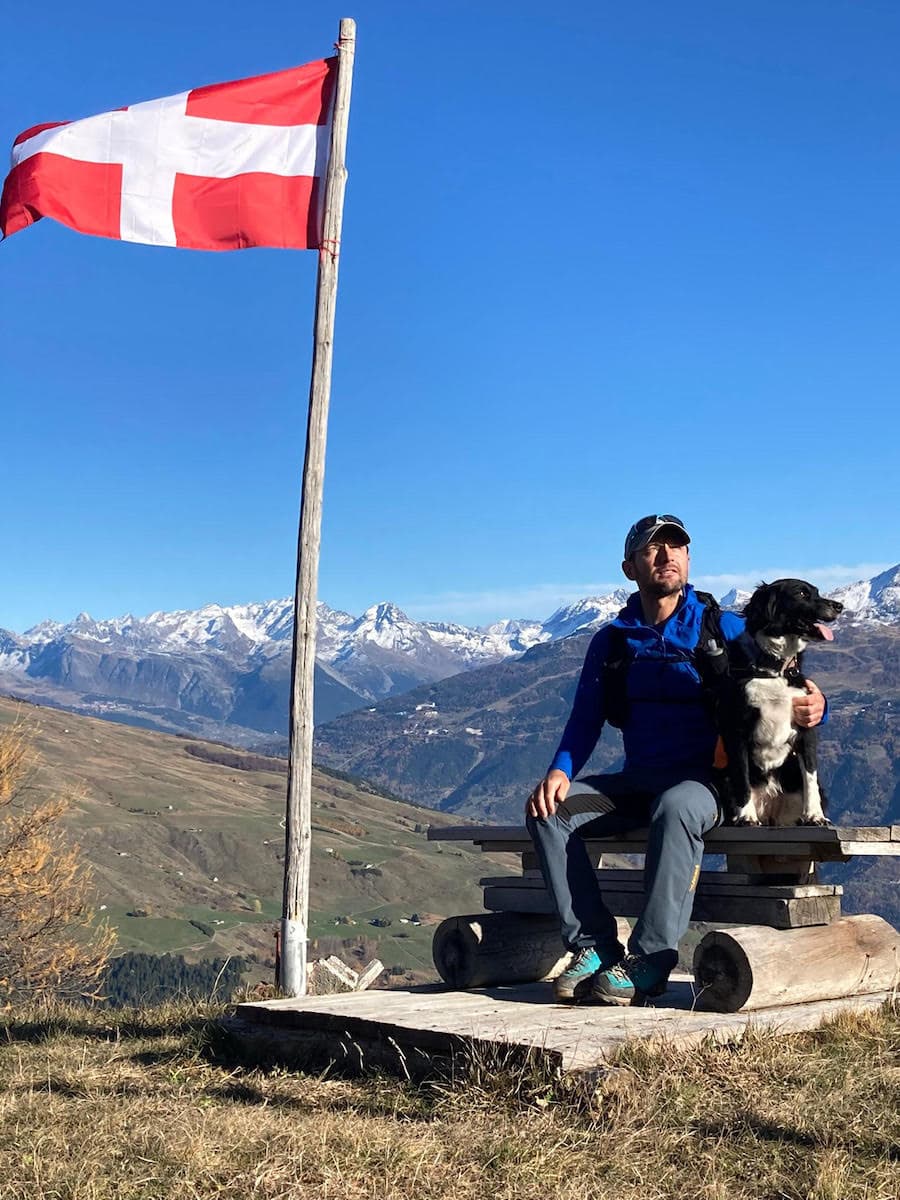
[(711, 661)]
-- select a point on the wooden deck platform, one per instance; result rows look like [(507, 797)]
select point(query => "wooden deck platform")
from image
[(405, 1029)]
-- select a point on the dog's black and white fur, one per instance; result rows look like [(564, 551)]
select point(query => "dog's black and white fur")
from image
[(772, 777)]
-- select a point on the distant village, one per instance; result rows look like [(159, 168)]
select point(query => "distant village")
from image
[(422, 716)]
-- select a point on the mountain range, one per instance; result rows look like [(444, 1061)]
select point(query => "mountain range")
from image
[(457, 719), (223, 672)]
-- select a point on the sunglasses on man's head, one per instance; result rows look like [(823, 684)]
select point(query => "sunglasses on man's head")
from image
[(646, 523), (653, 521)]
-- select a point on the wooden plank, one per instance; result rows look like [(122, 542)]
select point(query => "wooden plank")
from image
[(820, 853), (823, 845), (778, 913), (636, 875), (785, 891), (576, 1038), (879, 849), (814, 834), (599, 1037), (773, 868), (530, 861), (477, 833), (792, 833), (762, 891), (503, 847)]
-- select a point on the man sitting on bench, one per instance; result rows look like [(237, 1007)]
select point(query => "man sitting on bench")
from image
[(639, 674)]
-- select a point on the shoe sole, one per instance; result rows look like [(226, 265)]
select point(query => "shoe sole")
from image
[(612, 1001), (637, 1000), (580, 991)]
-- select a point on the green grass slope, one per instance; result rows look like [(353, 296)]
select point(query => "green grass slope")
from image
[(188, 853)]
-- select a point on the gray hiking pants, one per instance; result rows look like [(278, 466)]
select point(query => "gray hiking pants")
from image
[(677, 811)]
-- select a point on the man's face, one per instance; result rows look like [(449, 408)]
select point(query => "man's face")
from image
[(660, 569)]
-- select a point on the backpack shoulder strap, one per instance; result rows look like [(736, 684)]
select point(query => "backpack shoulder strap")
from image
[(615, 671), (712, 656)]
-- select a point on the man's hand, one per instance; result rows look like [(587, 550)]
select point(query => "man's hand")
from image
[(809, 709), (549, 793)]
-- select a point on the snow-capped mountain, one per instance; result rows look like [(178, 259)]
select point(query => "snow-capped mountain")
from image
[(223, 671), (583, 615), (216, 671), (876, 599), (213, 627), (519, 635), (735, 599)]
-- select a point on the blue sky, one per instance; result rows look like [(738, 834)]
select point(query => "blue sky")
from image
[(592, 268)]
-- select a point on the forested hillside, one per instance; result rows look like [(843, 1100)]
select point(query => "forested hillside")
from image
[(474, 745)]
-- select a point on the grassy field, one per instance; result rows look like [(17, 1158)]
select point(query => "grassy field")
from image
[(157, 1103), (174, 838)]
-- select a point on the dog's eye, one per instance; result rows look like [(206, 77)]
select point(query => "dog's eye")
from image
[(803, 593)]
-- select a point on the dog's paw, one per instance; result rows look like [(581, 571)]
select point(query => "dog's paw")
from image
[(746, 823), (816, 822)]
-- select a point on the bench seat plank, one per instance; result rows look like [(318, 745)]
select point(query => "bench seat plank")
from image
[(823, 845), (725, 888), (835, 853), (812, 834)]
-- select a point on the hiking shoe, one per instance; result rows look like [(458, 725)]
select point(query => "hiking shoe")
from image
[(630, 981), (575, 981)]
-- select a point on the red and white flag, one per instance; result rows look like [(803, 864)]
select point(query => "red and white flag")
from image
[(217, 168)]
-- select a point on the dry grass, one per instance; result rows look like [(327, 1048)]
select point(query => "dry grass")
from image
[(143, 1105)]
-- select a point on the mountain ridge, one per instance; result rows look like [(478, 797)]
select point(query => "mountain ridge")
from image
[(223, 672)]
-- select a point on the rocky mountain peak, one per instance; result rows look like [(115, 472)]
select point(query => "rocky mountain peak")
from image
[(875, 599), (582, 615), (385, 613), (735, 600)]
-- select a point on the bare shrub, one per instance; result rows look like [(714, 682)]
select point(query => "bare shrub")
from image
[(48, 947)]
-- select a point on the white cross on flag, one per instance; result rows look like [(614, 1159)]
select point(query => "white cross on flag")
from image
[(217, 168)]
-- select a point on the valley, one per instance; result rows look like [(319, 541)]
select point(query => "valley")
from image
[(187, 851)]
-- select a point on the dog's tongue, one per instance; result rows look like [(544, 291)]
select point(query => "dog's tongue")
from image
[(824, 632)]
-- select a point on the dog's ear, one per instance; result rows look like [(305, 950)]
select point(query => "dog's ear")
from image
[(753, 604), (760, 608)]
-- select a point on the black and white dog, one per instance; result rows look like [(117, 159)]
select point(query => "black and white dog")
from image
[(772, 777)]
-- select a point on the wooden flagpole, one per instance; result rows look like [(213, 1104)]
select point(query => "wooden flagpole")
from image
[(297, 822)]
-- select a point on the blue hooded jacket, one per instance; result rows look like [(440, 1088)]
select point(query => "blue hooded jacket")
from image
[(669, 725)]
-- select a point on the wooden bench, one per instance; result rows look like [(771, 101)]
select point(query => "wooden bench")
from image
[(770, 884)]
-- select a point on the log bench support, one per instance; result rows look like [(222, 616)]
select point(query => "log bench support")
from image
[(791, 944), (754, 967), (497, 948)]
